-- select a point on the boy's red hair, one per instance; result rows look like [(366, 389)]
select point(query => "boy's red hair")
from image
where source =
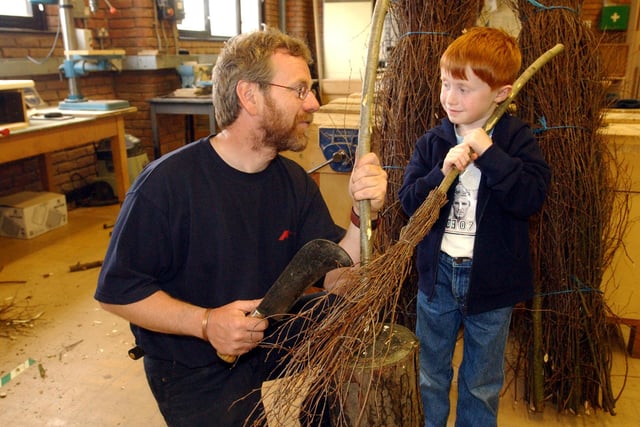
[(491, 53)]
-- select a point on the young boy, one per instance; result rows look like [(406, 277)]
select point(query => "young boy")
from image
[(473, 267)]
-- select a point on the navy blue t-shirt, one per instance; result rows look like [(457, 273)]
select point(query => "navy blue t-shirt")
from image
[(208, 234)]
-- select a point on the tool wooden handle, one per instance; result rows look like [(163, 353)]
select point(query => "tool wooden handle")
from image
[(229, 358)]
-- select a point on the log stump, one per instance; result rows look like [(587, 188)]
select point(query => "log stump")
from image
[(385, 390)]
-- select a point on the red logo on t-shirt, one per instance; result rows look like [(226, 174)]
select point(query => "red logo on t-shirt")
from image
[(285, 235)]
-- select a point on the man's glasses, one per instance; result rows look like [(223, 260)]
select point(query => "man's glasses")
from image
[(301, 91)]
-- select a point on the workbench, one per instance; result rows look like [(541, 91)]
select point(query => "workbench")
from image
[(187, 106), (43, 137)]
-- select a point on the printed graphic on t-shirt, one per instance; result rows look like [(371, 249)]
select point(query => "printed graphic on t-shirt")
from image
[(459, 221), (462, 216)]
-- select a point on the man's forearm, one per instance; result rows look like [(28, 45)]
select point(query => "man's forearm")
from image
[(161, 313)]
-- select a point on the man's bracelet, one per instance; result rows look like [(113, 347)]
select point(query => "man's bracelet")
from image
[(355, 220), (205, 324)]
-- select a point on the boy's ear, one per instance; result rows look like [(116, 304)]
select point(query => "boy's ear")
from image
[(503, 93)]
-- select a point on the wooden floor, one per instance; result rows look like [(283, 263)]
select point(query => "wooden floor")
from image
[(71, 356)]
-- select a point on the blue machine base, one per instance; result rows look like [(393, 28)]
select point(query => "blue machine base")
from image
[(335, 139)]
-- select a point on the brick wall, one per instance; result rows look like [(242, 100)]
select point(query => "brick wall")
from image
[(299, 19), (271, 15)]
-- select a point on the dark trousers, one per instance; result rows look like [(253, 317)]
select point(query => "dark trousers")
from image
[(220, 394)]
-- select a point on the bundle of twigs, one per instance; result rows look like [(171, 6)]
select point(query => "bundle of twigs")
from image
[(565, 354)]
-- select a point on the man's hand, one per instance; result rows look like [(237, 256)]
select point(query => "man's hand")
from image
[(368, 182), (231, 331)]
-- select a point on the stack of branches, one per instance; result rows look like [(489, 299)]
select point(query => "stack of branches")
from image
[(408, 103), (564, 353)]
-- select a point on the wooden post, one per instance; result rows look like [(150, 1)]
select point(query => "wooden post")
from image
[(384, 391)]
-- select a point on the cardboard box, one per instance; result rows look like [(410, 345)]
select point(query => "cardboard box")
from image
[(29, 214)]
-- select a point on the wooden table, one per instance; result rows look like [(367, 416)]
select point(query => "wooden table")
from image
[(188, 106), (43, 137)]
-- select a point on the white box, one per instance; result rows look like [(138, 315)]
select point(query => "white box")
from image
[(28, 214)]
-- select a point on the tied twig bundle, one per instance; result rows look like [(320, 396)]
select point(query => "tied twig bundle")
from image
[(564, 349)]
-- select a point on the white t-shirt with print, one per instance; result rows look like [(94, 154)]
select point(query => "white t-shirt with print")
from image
[(460, 231)]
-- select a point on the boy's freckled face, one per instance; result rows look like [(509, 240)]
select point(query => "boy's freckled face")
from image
[(469, 102)]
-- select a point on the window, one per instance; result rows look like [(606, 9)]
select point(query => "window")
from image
[(215, 19), (22, 14)]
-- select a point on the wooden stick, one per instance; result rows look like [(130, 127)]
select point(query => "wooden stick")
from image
[(366, 118), (84, 266)]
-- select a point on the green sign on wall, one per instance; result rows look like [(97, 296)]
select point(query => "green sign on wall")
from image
[(614, 17)]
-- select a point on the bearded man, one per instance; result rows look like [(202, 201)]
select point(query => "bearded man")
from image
[(206, 229)]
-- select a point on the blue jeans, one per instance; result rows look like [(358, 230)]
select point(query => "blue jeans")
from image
[(481, 374)]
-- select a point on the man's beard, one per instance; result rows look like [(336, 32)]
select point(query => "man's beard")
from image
[(281, 135)]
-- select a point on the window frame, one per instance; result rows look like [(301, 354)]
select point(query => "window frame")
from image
[(206, 33), (37, 22)]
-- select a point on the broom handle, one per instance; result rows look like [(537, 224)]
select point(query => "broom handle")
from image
[(517, 85), (366, 118)]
